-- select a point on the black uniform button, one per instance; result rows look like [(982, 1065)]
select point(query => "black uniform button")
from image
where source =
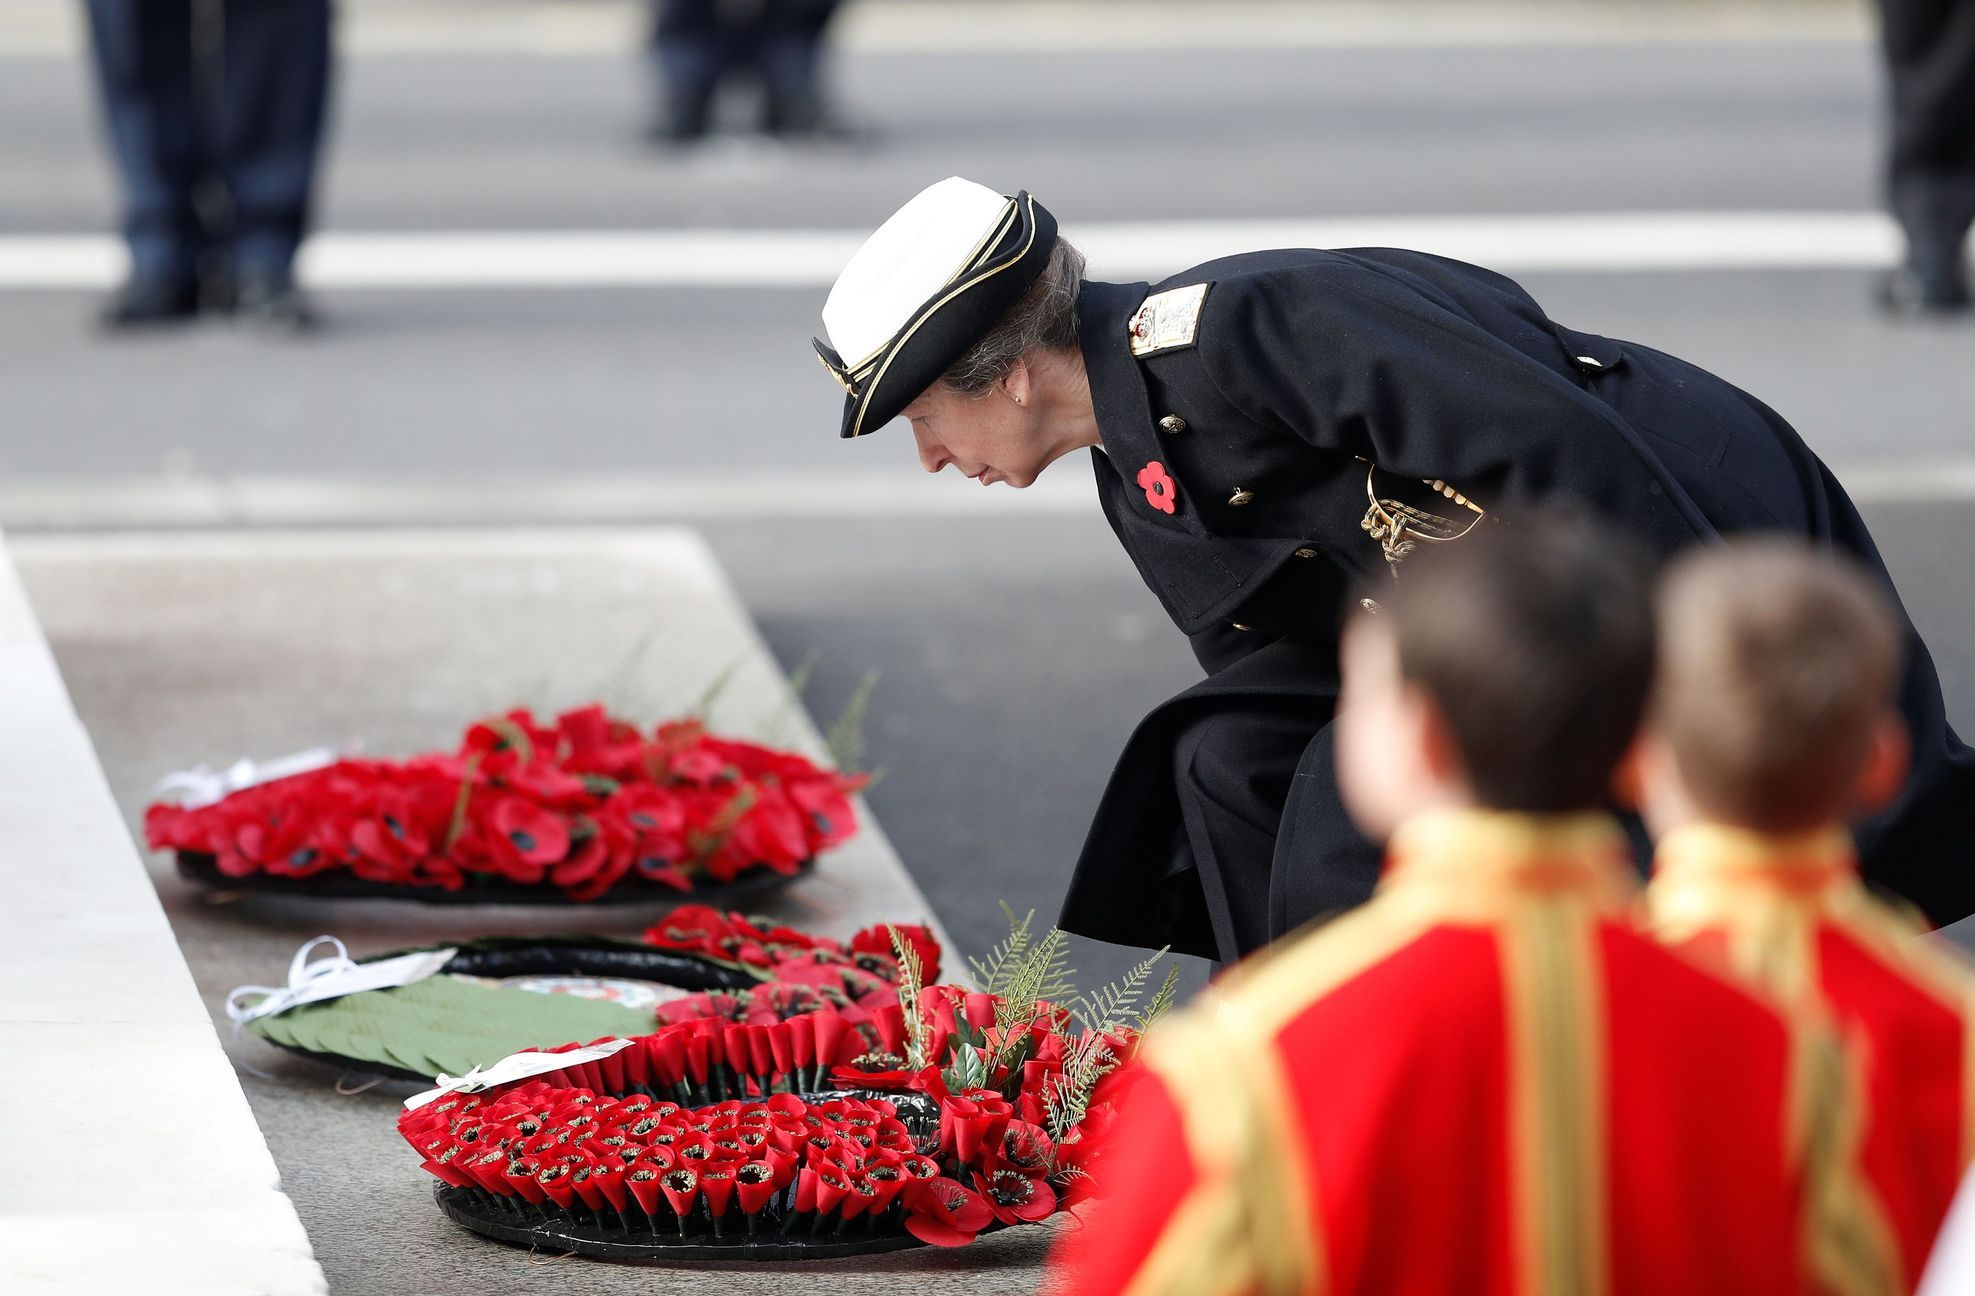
[(1242, 495), (1306, 553), (1237, 625), (1172, 423)]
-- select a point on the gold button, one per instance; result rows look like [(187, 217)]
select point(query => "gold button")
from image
[(1237, 625), (1172, 423), (1306, 553), (1242, 495), (1369, 605)]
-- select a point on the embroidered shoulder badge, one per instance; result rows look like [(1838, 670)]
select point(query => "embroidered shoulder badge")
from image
[(1167, 321)]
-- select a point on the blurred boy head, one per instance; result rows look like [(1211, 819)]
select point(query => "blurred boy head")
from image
[(1775, 705), (1504, 671)]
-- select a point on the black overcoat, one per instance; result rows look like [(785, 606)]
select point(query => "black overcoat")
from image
[(1310, 375)]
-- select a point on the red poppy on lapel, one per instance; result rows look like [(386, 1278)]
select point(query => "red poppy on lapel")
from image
[(1160, 491)]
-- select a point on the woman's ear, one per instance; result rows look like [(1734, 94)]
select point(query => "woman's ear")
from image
[(1017, 381), (1888, 756)]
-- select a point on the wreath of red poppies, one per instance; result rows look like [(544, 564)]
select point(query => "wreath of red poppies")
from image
[(701, 1130), (578, 806), (801, 972)]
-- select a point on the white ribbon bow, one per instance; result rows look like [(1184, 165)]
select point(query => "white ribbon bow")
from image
[(515, 1066), (202, 785), (331, 977)]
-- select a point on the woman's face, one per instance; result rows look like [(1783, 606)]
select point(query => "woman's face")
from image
[(991, 438)]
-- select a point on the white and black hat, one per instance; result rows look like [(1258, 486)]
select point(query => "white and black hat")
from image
[(927, 286)]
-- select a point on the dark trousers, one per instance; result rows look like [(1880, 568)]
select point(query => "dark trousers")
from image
[(216, 125), (1930, 56), (698, 43)]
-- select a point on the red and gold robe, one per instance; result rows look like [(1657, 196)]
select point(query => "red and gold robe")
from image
[(1792, 914), (1486, 1080)]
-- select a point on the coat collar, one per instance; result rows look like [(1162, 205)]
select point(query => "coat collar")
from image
[(1477, 860), (1119, 401), (1720, 855)]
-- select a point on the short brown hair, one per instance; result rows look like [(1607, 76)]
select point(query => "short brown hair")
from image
[(1534, 639), (1776, 662)]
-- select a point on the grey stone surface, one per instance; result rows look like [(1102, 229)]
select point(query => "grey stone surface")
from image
[(204, 650)]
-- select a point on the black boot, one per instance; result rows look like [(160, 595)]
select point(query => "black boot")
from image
[(269, 299), (148, 300), (1934, 281)]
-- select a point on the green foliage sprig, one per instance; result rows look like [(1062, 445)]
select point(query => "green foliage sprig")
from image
[(846, 736)]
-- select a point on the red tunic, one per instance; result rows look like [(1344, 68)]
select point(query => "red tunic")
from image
[(1792, 913), (1483, 1081)]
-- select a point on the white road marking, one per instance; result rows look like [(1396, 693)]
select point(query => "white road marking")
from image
[(573, 28), (810, 258), (110, 503)]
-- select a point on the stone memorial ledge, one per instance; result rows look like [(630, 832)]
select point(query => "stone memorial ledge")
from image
[(137, 1163)]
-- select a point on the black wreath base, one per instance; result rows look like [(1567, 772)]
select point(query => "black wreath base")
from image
[(611, 1237), (747, 886)]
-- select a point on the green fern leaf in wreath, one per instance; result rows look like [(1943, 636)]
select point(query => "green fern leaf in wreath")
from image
[(1109, 1009), (846, 736), (995, 973)]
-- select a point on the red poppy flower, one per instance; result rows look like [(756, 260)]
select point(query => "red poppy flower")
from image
[(979, 1009), (1025, 1148), (823, 800), (1160, 491), (756, 1182), (771, 831), (690, 929), (878, 940), (832, 1188), (489, 1170), (680, 1186), (557, 1184), (505, 742), (525, 838), (972, 1121), (1013, 1197), (943, 1212), (610, 1176), (887, 1181), (885, 1071), (523, 1176), (718, 1186)]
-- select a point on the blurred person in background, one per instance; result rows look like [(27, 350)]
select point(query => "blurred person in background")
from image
[(1273, 430), (1930, 56), (1772, 727), (700, 45), (1485, 1081), (215, 113)]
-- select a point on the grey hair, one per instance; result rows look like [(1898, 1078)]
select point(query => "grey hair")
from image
[(1044, 319)]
